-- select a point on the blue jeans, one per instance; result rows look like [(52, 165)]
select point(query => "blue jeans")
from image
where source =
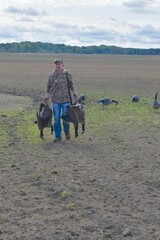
[(57, 108)]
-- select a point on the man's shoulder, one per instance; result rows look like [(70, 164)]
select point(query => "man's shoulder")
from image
[(52, 74), (65, 71)]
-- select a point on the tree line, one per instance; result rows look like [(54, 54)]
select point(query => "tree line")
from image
[(40, 47)]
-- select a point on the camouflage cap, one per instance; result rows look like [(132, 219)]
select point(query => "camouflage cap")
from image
[(58, 60)]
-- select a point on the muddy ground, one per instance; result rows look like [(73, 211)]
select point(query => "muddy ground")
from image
[(104, 185)]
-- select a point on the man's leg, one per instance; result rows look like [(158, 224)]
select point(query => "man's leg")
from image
[(57, 123), (66, 126)]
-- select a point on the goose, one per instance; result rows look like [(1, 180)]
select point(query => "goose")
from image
[(135, 99), (156, 104), (81, 99), (76, 114), (106, 101), (44, 118)]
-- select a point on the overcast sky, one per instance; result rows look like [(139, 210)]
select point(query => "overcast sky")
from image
[(124, 23)]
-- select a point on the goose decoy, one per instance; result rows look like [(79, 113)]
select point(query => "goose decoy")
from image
[(106, 101), (156, 104), (135, 98)]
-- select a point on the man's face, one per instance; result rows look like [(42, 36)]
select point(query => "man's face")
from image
[(58, 66)]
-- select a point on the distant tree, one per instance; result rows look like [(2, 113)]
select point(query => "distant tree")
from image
[(35, 47)]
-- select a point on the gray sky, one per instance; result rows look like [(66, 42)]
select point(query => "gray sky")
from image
[(124, 23)]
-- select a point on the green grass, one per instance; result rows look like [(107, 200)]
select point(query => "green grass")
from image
[(10, 113), (27, 130), (99, 120), (4, 139), (7, 121), (125, 114), (71, 206), (19, 123), (64, 194)]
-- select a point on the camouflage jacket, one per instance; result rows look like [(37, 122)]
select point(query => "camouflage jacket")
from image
[(57, 86)]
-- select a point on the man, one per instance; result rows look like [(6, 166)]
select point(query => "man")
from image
[(58, 90)]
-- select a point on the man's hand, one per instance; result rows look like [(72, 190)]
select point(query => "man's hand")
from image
[(46, 99)]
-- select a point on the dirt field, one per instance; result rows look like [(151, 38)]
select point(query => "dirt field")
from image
[(104, 185)]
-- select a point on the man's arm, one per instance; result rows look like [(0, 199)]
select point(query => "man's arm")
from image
[(75, 93), (71, 86), (47, 92), (46, 95)]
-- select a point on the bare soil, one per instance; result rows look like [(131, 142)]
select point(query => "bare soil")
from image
[(100, 186)]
